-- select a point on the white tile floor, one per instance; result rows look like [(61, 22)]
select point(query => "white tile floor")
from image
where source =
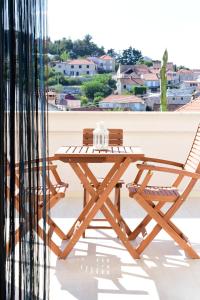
[(99, 267)]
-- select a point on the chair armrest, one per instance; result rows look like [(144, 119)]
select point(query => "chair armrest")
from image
[(168, 170), (163, 161)]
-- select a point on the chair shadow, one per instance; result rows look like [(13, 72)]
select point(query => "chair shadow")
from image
[(175, 275), (80, 274)]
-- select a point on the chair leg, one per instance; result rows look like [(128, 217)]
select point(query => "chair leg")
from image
[(163, 222), (117, 198), (85, 200)]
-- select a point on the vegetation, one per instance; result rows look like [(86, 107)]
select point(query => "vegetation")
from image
[(130, 56), (99, 87), (84, 101), (163, 83), (52, 78), (138, 90), (181, 67), (66, 48), (146, 62), (111, 52)]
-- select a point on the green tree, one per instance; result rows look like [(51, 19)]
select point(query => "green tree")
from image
[(52, 81), (146, 62), (111, 52), (92, 87), (163, 81), (130, 56), (64, 56), (58, 88), (78, 48), (97, 100), (87, 47), (84, 101), (105, 79), (181, 67), (138, 90), (100, 85)]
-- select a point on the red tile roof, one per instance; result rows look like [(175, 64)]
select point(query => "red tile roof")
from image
[(81, 62), (106, 57), (183, 71), (133, 81), (122, 99), (193, 105), (150, 77)]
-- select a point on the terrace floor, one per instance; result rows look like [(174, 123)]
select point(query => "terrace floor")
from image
[(99, 267)]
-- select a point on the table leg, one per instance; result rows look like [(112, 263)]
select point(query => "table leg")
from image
[(95, 182), (98, 198)]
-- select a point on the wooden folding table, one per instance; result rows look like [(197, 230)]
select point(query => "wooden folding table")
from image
[(79, 158)]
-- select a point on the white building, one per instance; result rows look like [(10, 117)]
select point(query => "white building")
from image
[(129, 102), (185, 75), (104, 63), (151, 81), (175, 98), (125, 84), (76, 67)]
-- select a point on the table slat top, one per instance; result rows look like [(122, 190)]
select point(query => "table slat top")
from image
[(89, 151)]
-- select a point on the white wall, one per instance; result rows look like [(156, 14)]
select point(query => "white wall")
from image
[(164, 135)]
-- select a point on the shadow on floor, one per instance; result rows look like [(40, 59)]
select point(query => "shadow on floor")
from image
[(92, 271)]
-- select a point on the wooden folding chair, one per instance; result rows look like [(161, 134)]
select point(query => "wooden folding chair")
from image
[(153, 198), (55, 191), (115, 139)]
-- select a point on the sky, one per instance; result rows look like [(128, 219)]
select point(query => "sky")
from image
[(147, 25)]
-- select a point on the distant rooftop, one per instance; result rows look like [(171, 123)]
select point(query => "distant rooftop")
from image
[(193, 105), (150, 76), (106, 57), (183, 71), (80, 62), (122, 99)]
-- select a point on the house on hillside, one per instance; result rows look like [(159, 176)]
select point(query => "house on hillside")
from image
[(172, 78), (175, 99), (125, 84), (196, 74), (76, 67), (68, 100), (185, 75), (133, 70), (127, 102), (151, 81), (157, 65), (193, 84), (105, 63)]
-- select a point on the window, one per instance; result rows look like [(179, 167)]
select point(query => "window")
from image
[(72, 66), (71, 73), (124, 86), (181, 98), (173, 98), (88, 72), (88, 66), (80, 66), (77, 73)]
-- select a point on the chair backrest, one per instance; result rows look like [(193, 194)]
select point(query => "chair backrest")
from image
[(192, 163), (115, 137)]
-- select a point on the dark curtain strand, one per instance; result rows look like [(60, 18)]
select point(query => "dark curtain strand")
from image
[(23, 144)]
